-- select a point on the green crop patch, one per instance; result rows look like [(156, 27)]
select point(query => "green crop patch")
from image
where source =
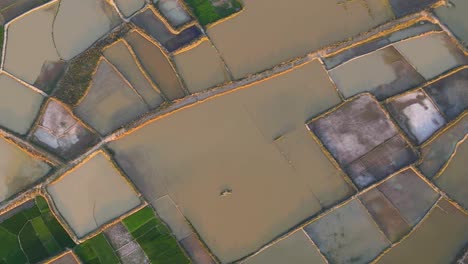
[(154, 237), (96, 250), (208, 12), (32, 235)]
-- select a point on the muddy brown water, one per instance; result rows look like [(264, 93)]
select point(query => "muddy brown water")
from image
[(120, 56), (73, 34), (201, 67), (18, 169), (128, 7), (436, 241), (296, 248), (84, 199), (157, 65), (256, 40), (27, 50), (110, 102), (13, 115), (228, 143)]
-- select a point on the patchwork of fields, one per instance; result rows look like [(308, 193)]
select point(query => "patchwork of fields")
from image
[(227, 131)]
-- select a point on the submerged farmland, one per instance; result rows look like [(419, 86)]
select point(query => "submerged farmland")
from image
[(225, 131)]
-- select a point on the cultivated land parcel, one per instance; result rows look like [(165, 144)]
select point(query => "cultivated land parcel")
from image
[(226, 131)]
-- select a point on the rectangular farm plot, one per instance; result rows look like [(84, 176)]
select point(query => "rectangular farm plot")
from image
[(18, 169), (173, 11), (296, 248), (453, 179), (110, 101), (363, 140), (399, 203), (96, 250), (19, 104), (416, 115), (157, 64), (201, 67), (67, 258), (455, 18), (432, 54), (122, 57), (127, 249), (169, 38), (238, 147), (32, 234), (386, 73), (450, 93), (92, 194), (348, 234), (438, 239), (154, 238), (436, 152)]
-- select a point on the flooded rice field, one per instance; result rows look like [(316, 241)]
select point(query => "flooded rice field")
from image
[(201, 67), (391, 74), (18, 169), (455, 18), (14, 116), (438, 150), (339, 234), (431, 54), (161, 160), (157, 64), (122, 57), (168, 212), (61, 133), (28, 50), (171, 39), (363, 140), (296, 248), (129, 7), (173, 11), (84, 199), (255, 40), (68, 258), (72, 34), (445, 228), (453, 178), (416, 115), (110, 101)]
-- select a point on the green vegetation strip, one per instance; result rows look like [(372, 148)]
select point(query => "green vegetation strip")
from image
[(207, 13), (2, 32), (96, 250), (32, 235), (154, 238)]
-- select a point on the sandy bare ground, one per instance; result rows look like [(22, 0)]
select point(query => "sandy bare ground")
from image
[(201, 67), (110, 102), (27, 50), (446, 231), (228, 143), (120, 55), (296, 248), (79, 24), (14, 115), (255, 40), (128, 7), (18, 169), (432, 54), (92, 194)]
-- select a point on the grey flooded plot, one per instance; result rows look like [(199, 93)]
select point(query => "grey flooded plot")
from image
[(454, 180), (10, 9), (128, 250), (403, 7), (348, 235), (61, 133), (451, 93), (148, 21), (454, 16), (436, 153), (363, 140), (367, 47), (173, 11), (437, 240), (386, 73), (416, 115), (129, 7), (66, 259)]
